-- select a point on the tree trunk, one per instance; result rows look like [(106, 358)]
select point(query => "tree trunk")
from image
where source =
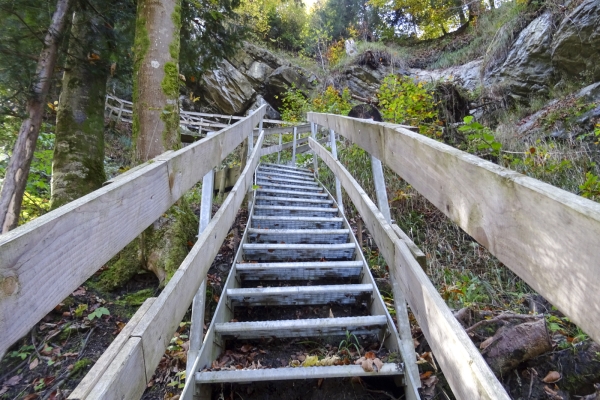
[(156, 78), (20, 162), (78, 163)]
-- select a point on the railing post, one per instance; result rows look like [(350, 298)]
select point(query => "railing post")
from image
[(251, 136), (197, 323), (380, 191), (313, 133), (294, 146), (279, 152), (338, 186)]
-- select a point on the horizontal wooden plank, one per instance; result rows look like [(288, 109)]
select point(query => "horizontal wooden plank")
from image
[(125, 378), (160, 322), (286, 129), (89, 381), (546, 235), (45, 260), (467, 372)]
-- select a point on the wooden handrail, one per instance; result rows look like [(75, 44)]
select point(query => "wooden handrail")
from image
[(546, 235), (142, 347), (465, 369), (44, 261)]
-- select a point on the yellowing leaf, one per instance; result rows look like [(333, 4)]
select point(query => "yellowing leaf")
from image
[(311, 361), (553, 376)]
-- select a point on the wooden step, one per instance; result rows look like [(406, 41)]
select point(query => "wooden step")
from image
[(298, 236), (302, 327), (289, 373), (290, 201), (283, 186), (299, 270), (328, 212), (292, 193), (298, 252), (266, 222), (284, 175), (300, 295)]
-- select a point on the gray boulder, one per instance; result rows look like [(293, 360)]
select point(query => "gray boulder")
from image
[(576, 44), (527, 69), (284, 78), (227, 89)]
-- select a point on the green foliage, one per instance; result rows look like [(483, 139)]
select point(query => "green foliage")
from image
[(98, 313), (296, 105), (22, 353), (466, 289), (402, 101), (36, 200), (481, 140), (210, 31), (590, 189), (350, 342), (80, 310)]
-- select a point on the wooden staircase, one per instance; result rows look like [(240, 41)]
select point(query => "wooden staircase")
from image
[(297, 253)]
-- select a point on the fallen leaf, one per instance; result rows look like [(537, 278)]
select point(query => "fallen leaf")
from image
[(3, 390), (553, 376), (34, 364), (319, 383), (246, 348), (331, 314), (79, 292), (311, 361), (30, 396), (13, 381), (425, 375)]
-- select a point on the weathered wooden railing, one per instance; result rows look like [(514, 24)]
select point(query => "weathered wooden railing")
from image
[(545, 235), (122, 110), (44, 261)]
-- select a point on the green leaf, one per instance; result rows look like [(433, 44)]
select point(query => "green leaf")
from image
[(468, 119), (496, 146), (488, 137)]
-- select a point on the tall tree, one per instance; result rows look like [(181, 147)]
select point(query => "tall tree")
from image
[(78, 163), (17, 172), (156, 78)]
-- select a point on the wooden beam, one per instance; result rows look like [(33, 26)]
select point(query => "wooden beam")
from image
[(89, 381), (161, 321), (465, 369), (44, 261), (547, 236), (286, 129)]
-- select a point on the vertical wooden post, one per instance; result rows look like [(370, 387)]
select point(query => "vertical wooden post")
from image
[(197, 323), (279, 152), (412, 373), (294, 146), (313, 133), (380, 191), (338, 186), (251, 137)]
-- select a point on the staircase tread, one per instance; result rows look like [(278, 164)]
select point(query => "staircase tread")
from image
[(290, 373), (304, 188), (233, 327), (286, 179), (295, 264), (299, 231), (365, 287), (285, 218), (291, 192), (286, 167), (293, 200), (298, 246), (296, 208), (293, 176)]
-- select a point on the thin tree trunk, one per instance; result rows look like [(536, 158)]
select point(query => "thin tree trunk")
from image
[(78, 163), (20, 162), (156, 78)]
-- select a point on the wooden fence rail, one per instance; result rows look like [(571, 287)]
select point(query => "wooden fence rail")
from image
[(44, 261), (465, 369), (547, 236), (135, 354)]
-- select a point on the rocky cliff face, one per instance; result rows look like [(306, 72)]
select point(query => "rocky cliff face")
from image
[(548, 48), (239, 83)]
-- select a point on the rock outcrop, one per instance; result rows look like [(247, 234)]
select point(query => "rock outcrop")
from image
[(239, 83), (576, 43)]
